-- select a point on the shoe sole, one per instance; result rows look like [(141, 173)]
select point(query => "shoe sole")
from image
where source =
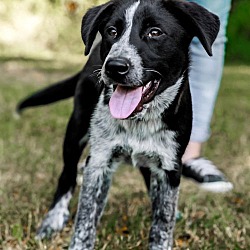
[(217, 187)]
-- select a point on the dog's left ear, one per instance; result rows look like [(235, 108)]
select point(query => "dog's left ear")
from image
[(91, 23), (198, 20)]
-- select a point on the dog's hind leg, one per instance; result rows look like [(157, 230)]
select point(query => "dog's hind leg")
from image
[(96, 183), (72, 150), (85, 101), (164, 195), (58, 213)]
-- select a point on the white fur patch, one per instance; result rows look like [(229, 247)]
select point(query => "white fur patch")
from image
[(56, 218), (123, 48), (147, 135)]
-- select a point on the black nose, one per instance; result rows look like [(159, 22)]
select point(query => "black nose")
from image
[(117, 67)]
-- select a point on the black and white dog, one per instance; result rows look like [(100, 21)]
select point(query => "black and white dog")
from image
[(138, 112)]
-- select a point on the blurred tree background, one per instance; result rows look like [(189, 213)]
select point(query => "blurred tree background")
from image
[(238, 48), (51, 28)]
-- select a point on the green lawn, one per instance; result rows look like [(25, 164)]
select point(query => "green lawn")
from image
[(31, 159)]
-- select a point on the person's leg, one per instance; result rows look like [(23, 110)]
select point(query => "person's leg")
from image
[(205, 78)]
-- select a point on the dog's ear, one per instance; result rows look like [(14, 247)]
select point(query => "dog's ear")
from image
[(91, 22), (198, 20)]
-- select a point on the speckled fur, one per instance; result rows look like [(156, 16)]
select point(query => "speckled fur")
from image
[(154, 138), (164, 202), (145, 44), (56, 218), (144, 140), (123, 48)]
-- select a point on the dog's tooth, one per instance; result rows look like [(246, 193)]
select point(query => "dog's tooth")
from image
[(148, 85)]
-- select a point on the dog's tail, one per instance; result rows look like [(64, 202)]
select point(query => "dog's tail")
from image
[(58, 91)]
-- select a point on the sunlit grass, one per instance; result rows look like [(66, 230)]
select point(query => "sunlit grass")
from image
[(30, 160)]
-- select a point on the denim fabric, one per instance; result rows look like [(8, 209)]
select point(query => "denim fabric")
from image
[(206, 72)]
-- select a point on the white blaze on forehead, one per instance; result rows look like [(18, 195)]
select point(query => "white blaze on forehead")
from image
[(123, 44), (122, 48), (129, 16)]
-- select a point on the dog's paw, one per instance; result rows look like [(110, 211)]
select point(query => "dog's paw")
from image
[(53, 222), (56, 218)]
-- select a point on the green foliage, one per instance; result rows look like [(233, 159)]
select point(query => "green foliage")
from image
[(238, 49), (51, 28)]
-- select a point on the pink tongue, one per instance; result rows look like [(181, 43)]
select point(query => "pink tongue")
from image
[(124, 101)]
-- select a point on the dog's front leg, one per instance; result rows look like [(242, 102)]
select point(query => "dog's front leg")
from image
[(164, 196), (92, 200)]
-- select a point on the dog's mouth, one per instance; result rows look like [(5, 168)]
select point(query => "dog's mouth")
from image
[(126, 101)]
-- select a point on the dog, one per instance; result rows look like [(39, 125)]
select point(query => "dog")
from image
[(136, 108)]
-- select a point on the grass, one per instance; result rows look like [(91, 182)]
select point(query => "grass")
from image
[(31, 159)]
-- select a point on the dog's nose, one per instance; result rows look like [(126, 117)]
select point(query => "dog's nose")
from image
[(117, 67)]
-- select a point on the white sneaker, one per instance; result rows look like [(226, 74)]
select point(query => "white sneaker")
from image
[(207, 175)]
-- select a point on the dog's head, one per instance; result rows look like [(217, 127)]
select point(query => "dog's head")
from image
[(144, 46)]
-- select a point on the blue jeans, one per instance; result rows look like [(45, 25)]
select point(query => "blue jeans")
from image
[(206, 72)]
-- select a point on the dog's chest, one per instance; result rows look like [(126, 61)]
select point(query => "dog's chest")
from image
[(144, 143)]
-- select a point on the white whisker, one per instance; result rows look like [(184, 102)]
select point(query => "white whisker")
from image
[(96, 72), (153, 70)]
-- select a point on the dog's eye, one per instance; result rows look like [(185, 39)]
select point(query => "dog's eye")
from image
[(154, 32), (112, 31)]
